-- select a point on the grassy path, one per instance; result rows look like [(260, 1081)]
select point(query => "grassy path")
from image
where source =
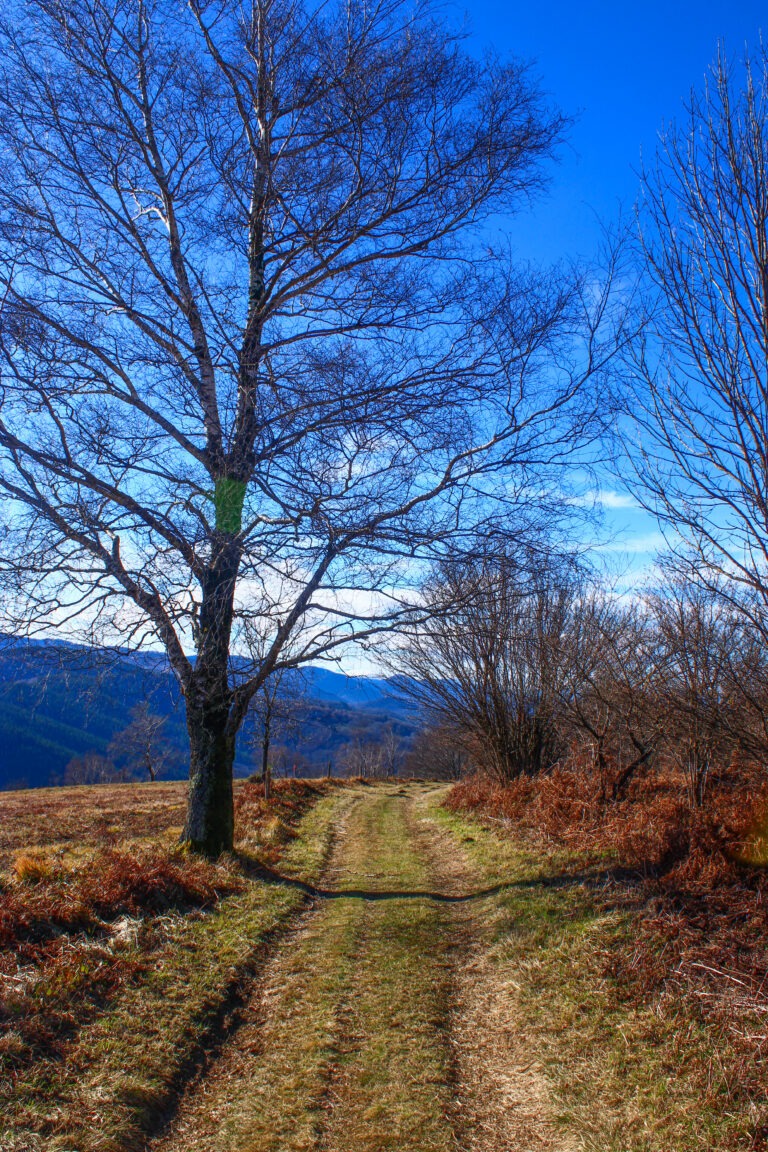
[(449, 989), (407, 980), (367, 1032)]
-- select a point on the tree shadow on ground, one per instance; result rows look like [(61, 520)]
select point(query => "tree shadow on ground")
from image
[(592, 878)]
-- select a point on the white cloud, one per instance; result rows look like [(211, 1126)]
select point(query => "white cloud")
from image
[(607, 499), (617, 500)]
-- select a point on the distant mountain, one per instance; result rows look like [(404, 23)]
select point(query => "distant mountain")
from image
[(355, 691), (60, 701)]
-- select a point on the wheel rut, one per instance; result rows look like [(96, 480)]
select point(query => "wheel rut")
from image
[(214, 1114), (502, 1101)]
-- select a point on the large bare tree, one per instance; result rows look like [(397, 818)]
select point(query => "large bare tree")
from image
[(262, 348), (698, 413)]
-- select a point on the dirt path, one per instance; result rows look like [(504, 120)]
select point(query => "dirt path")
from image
[(380, 1024)]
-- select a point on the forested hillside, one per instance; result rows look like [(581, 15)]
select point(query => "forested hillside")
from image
[(60, 702)]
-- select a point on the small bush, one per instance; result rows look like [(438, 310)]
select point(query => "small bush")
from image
[(653, 830), (265, 827), (31, 867), (153, 881)]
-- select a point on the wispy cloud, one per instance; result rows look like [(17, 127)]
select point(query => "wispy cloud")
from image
[(648, 543), (614, 501), (617, 500)]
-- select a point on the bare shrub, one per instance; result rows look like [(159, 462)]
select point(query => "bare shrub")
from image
[(487, 666), (608, 706), (92, 768)]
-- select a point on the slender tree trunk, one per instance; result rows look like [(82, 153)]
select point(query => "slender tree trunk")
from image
[(266, 773), (624, 778), (210, 813)]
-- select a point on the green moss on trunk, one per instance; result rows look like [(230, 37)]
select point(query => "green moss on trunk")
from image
[(228, 499)]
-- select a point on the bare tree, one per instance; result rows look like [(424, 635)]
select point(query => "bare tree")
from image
[(364, 758), (609, 662), (256, 356), (700, 404), (747, 673), (275, 706), (675, 678), (690, 687), (436, 754), (488, 664), (371, 757), (141, 746), (92, 768), (391, 751), (695, 691), (275, 709)]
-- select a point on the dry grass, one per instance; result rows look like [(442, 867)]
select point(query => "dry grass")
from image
[(626, 1074), (654, 832), (502, 1099), (586, 1000), (61, 954), (683, 901), (89, 817), (267, 829), (94, 935), (30, 867)]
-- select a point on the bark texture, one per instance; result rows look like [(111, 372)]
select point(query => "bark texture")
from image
[(210, 814)]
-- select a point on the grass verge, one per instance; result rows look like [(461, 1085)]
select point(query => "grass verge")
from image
[(630, 1073), (110, 1077)]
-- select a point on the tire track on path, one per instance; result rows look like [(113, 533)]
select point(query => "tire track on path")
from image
[(213, 1113), (502, 1100)]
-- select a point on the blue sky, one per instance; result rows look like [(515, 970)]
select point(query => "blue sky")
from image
[(621, 70)]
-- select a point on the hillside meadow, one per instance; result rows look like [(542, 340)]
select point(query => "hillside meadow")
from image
[(389, 965)]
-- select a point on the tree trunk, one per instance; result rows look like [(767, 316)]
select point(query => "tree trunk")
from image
[(210, 813), (622, 781), (266, 773), (210, 825)]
